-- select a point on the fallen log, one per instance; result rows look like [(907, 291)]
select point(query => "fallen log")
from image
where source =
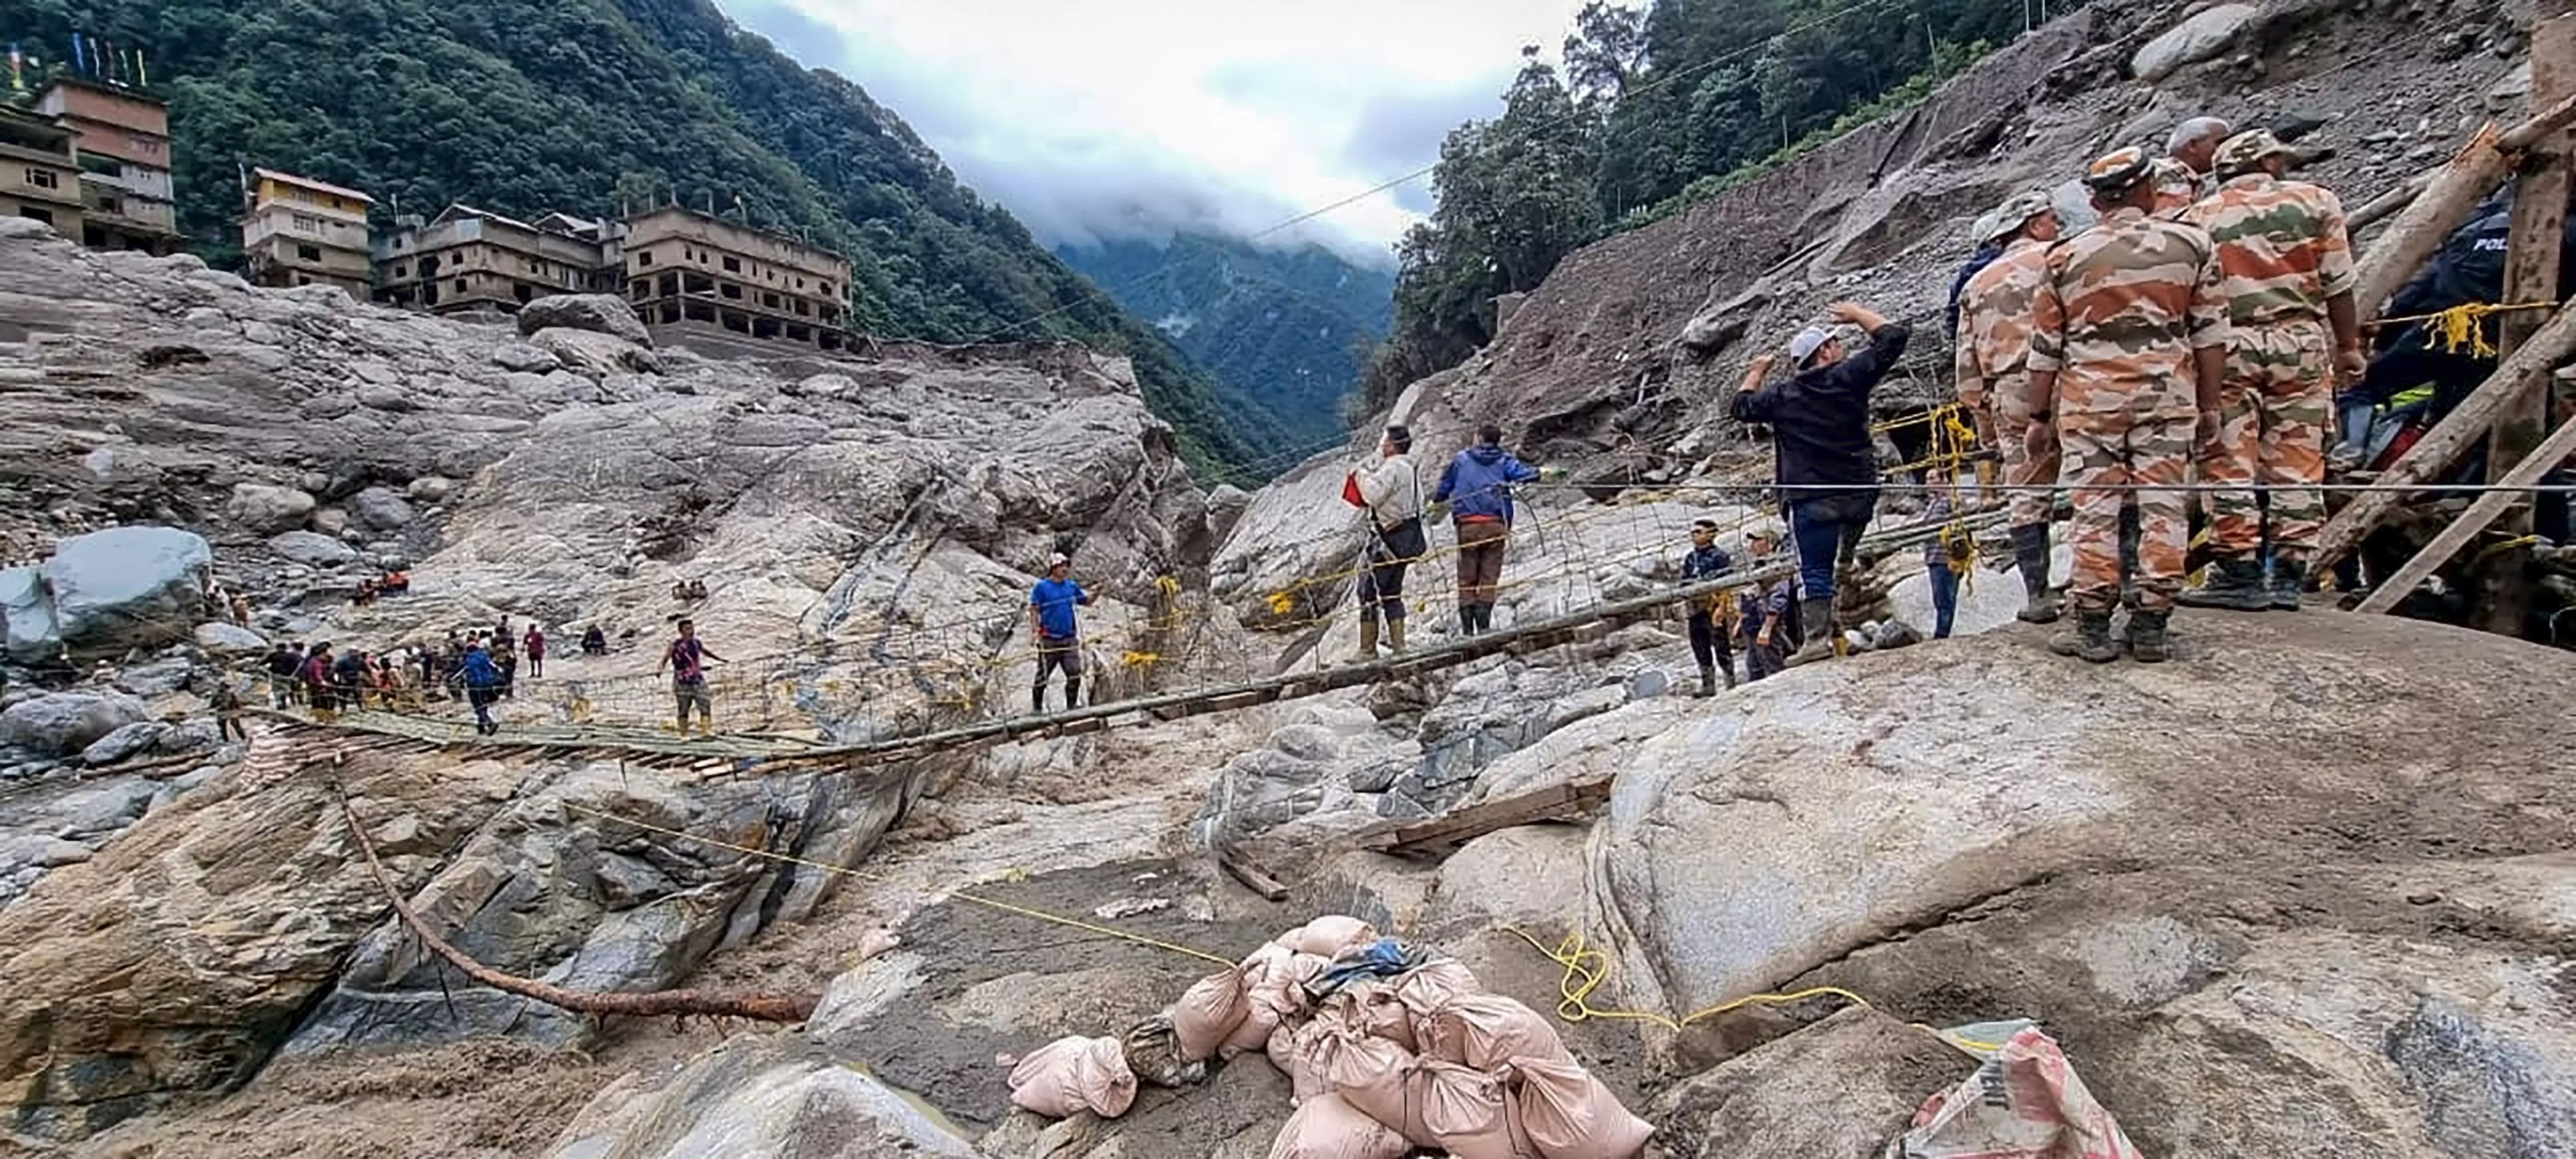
[(2390, 202), (2419, 231), (2557, 116), (761, 1006), (2449, 439), (2485, 511)]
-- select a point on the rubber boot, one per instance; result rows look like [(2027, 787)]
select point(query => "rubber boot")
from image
[(2233, 583), (2147, 637), (1708, 681), (1466, 619), (2030, 557), (1728, 670), (1395, 634), (1817, 616), (1368, 635), (1484, 614), (1072, 693), (2088, 640), (2289, 581), (1037, 705)]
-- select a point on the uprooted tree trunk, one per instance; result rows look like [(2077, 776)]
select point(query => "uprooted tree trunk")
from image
[(2453, 193), (765, 1007)]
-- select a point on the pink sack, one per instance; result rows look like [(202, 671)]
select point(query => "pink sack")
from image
[(1075, 1074), (1461, 1110), (1431, 985), (1570, 1115), (2026, 1103), (1303, 1082), (1253, 1033), (1487, 1030), (1208, 1014), (1381, 1013), (1328, 1128), (1329, 935)]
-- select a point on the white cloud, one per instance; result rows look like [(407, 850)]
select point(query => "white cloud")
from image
[(1124, 117)]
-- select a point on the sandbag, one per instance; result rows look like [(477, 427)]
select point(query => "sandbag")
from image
[(1329, 935), (1282, 984), (1303, 1082), (1379, 1012), (1209, 1013), (1458, 1109), (1075, 1074), (1433, 984), (1328, 1128), (1253, 1033), (1487, 1030), (1570, 1115)]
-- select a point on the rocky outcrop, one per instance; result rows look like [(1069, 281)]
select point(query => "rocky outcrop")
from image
[(266, 510), (62, 723), (598, 313), (765, 1098), (107, 591), (2206, 34)]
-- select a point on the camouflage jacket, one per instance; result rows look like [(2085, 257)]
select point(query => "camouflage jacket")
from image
[(2282, 250), (1994, 320), (2119, 314), (2178, 187)]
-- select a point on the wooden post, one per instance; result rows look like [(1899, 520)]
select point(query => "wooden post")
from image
[(2530, 275), (2474, 520)]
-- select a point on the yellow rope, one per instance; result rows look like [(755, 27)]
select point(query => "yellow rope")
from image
[(2457, 328), (1004, 906), (1587, 968)]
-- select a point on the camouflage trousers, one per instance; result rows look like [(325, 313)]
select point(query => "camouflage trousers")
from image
[(2105, 456), (2007, 409), (2272, 421)]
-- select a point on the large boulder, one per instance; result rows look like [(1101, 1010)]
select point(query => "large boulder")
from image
[(312, 549), (128, 587), (596, 355), (2202, 877), (759, 1097), (381, 509), (2206, 35), (62, 723), (599, 313), (268, 510), (28, 611)]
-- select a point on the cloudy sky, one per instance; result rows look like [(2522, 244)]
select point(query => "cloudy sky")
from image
[(1103, 118)]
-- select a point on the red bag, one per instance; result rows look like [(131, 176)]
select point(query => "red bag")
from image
[(1351, 490)]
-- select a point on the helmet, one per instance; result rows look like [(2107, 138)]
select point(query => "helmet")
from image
[(2242, 152), (2114, 172)]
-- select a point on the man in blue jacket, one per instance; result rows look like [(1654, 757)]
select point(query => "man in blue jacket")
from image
[(482, 687), (1828, 463), (1477, 486)]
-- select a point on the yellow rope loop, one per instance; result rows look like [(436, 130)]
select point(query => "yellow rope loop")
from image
[(1139, 659), (2458, 328)]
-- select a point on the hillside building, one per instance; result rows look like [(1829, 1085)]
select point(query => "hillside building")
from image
[(297, 231), (689, 270), (123, 140), (473, 259), (39, 170)]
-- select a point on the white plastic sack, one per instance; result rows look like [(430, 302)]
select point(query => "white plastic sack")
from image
[(1570, 1115), (1328, 1128), (1075, 1074), (2024, 1103)]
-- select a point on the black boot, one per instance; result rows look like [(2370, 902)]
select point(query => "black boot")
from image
[(2289, 581), (1037, 703), (2089, 640), (2030, 557), (1708, 680), (1484, 618), (1072, 692), (1466, 619), (1817, 617), (2147, 637), (2233, 583)]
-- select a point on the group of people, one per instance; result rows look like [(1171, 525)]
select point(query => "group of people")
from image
[(1474, 491), (482, 668)]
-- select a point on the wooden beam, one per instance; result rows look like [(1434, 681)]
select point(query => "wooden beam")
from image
[(2419, 232), (2450, 438), (2558, 115), (1253, 877), (2378, 208), (2485, 511), (2539, 227), (1441, 836)]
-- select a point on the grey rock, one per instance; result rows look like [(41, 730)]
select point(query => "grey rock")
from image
[(1225, 506), (158, 677), (40, 852), (595, 355), (760, 1097), (381, 509), (33, 635), (222, 638), (598, 313), (1647, 685), (268, 510), (331, 521), (128, 587), (62, 723), (1897, 634), (431, 490), (2205, 36), (313, 549), (131, 740), (1376, 776)]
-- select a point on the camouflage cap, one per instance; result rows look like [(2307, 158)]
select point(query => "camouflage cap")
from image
[(2114, 172), (2246, 150), (1983, 229), (2016, 213)]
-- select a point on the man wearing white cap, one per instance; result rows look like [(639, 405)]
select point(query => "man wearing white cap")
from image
[(1052, 625), (1827, 462)]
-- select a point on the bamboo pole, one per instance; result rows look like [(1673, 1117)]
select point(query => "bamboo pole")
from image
[(2485, 511)]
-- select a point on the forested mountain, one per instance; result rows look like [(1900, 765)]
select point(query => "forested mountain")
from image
[(527, 105), (1661, 104), (1290, 327)]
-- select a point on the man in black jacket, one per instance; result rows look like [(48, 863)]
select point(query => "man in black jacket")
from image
[(1828, 464)]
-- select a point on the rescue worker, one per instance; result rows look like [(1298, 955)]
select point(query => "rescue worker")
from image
[(2128, 345), (2182, 175), (1710, 615), (1053, 625), (483, 686), (1993, 366), (227, 703), (1766, 614), (1827, 461), (2285, 268), (1390, 488), (285, 664), (1981, 234), (686, 658), (1477, 486)]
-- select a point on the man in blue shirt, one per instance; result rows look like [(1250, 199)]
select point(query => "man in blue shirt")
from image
[(1052, 625)]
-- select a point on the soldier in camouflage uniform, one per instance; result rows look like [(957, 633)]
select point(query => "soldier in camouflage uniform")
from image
[(2183, 174), (2285, 266), (2129, 333), (1993, 353)]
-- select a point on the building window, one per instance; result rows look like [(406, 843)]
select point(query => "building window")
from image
[(732, 267), (43, 179), (826, 287), (643, 259), (401, 270), (800, 283), (639, 289), (730, 290), (310, 253), (307, 223), (769, 300), (460, 285), (301, 280), (34, 214), (801, 308)]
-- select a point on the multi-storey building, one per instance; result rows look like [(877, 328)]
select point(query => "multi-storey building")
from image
[(39, 170), (123, 137), (297, 231), (683, 267), (473, 259)]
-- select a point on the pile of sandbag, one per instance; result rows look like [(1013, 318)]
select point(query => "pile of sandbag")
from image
[(1387, 1048)]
